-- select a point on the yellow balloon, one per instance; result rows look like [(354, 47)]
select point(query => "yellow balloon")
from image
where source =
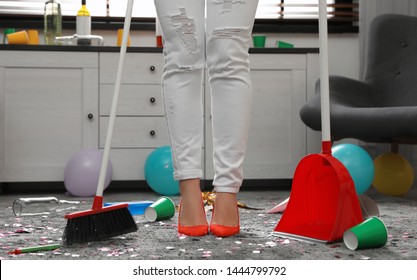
[(394, 175)]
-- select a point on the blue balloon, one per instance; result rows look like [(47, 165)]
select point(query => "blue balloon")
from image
[(359, 164), (159, 172)]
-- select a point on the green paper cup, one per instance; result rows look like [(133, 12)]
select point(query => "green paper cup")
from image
[(371, 233), (7, 31), (259, 41), (162, 209), (284, 45)]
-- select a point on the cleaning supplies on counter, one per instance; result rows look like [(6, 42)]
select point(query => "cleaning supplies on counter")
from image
[(158, 33), (52, 21), (83, 24)]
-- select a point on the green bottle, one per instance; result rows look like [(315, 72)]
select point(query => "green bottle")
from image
[(52, 21)]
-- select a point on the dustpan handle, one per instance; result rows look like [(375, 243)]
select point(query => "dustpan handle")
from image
[(113, 110), (324, 78)]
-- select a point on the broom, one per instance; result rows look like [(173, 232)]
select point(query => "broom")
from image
[(104, 222)]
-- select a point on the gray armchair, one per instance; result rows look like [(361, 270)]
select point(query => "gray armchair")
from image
[(383, 107)]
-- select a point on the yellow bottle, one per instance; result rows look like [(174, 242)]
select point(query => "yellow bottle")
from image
[(83, 24), (83, 12)]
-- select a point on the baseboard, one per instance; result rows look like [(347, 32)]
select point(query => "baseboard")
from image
[(140, 185)]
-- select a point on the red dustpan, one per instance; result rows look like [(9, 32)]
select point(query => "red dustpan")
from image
[(323, 202)]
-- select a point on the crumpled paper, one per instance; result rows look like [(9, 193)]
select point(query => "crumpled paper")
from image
[(210, 197)]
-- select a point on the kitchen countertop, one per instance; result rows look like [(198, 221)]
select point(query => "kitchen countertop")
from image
[(137, 49)]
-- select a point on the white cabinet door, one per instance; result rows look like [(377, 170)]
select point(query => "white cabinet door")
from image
[(277, 137), (48, 111)]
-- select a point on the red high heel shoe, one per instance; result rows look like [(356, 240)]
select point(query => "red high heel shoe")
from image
[(224, 231), (198, 230)]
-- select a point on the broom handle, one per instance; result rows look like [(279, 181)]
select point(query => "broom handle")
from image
[(115, 101), (324, 78)]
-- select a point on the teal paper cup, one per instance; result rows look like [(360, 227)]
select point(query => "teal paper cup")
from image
[(372, 233), (259, 41), (162, 209)]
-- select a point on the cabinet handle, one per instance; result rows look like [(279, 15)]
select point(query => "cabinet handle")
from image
[(152, 68), (90, 116), (152, 132), (152, 100)]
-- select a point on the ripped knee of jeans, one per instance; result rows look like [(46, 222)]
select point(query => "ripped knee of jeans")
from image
[(227, 32), (228, 4), (186, 30)]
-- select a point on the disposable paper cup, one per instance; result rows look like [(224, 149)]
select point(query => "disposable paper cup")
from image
[(284, 45), (368, 206), (259, 41), (18, 38), (162, 209), (372, 233), (7, 31), (120, 37), (33, 37)]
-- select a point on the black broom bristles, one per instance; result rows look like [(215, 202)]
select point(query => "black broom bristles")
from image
[(98, 226)]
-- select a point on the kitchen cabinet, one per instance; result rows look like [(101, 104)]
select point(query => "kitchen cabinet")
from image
[(48, 111), (54, 103), (277, 137), (140, 124)]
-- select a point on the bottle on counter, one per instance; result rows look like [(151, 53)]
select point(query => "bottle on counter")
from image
[(52, 21), (83, 24), (158, 33)]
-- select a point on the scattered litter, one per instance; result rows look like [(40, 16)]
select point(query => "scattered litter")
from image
[(256, 251), (271, 244), (104, 249), (285, 242), (207, 254), (169, 248), (23, 230)]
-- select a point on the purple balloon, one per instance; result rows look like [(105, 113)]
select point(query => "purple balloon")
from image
[(82, 171)]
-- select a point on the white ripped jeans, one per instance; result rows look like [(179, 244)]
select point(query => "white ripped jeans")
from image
[(220, 42)]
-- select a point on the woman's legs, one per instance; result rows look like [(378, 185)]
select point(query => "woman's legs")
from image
[(229, 26), (228, 34), (183, 27)]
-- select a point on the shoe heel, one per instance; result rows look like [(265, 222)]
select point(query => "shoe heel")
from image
[(198, 230), (224, 231)]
